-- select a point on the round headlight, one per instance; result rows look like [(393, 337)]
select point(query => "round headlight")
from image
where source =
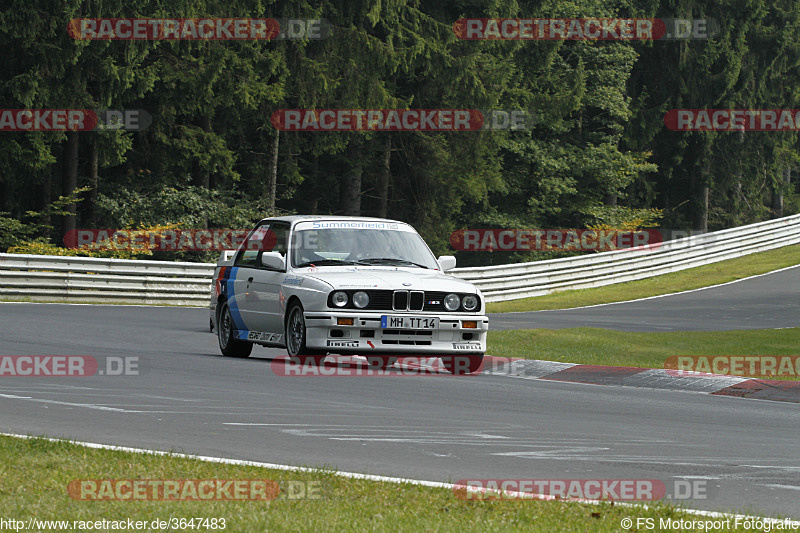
[(361, 299), (470, 302), (339, 299), (452, 302)]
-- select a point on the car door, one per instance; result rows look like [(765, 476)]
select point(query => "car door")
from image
[(240, 301), (259, 304)]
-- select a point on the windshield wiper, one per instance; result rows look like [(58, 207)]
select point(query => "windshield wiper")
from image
[(325, 262), (370, 260)]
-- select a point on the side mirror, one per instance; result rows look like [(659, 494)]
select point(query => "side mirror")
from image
[(447, 262), (273, 260)]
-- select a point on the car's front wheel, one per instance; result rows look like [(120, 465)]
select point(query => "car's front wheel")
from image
[(226, 334), (296, 338), (462, 364)]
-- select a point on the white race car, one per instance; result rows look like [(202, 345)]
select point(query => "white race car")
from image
[(346, 285)]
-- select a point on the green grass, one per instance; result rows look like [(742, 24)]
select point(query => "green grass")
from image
[(595, 346), (693, 278), (34, 474)]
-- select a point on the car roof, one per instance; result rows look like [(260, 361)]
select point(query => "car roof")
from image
[(294, 219)]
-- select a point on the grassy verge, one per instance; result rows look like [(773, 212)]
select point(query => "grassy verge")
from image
[(595, 346), (35, 474), (693, 278)]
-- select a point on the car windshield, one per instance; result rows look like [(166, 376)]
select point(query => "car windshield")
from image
[(338, 246)]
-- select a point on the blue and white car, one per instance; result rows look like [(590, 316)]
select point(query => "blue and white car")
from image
[(320, 285)]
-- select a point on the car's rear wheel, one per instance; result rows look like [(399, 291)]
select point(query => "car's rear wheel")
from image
[(226, 334), (295, 332), (462, 364), (380, 362)]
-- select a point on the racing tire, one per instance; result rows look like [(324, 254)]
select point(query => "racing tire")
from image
[(226, 334), (295, 335), (459, 365)]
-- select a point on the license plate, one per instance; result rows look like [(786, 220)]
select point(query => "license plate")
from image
[(409, 322)]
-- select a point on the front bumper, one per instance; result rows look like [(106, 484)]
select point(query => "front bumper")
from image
[(366, 335)]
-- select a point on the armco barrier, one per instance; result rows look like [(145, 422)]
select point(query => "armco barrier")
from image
[(521, 280), (81, 279), (89, 279)]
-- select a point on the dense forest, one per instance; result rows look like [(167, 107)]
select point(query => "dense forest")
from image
[(598, 152)]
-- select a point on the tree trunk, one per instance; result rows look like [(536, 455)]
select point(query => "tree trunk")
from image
[(314, 194), (351, 187), (701, 210), (5, 198), (698, 204), (699, 191), (383, 179), (69, 180), (93, 172), (735, 201), (45, 194), (777, 195), (202, 177), (273, 175)]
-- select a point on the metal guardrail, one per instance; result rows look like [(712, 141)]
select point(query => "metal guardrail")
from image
[(90, 280), (86, 279), (521, 280)]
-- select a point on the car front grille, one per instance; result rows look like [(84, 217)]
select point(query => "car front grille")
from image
[(408, 301), (434, 301), (379, 300), (400, 300)]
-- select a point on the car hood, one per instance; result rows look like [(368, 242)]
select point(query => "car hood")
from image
[(362, 277)]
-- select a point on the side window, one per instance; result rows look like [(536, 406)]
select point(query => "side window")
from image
[(250, 253), (265, 238), (279, 238), (247, 258)]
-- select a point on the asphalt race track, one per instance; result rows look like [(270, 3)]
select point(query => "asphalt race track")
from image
[(439, 428), (769, 301)]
